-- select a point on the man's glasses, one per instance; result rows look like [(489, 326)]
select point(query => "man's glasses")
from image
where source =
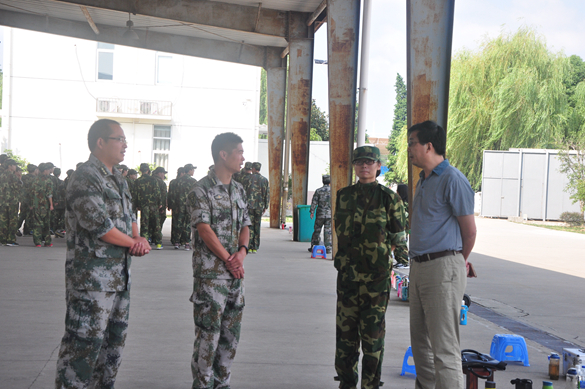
[(120, 139), (360, 162)]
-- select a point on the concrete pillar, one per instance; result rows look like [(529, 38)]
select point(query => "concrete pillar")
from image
[(300, 80), (342, 32), (275, 99), (429, 36)]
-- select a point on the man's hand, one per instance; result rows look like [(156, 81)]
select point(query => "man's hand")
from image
[(140, 247), (51, 207), (312, 215), (235, 263)]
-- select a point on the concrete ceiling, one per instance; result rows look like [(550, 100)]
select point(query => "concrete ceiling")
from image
[(231, 24)]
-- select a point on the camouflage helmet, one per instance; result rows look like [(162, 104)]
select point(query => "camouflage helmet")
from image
[(248, 166), (256, 166), (366, 152)]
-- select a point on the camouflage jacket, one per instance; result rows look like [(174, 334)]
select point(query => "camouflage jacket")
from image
[(27, 181), (10, 188), (132, 189), (172, 194), (369, 219), (226, 213), (241, 177), (257, 191), (147, 192), (97, 201), (41, 190), (184, 187), (58, 199), (322, 201), (162, 187)]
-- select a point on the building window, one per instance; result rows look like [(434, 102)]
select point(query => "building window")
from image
[(164, 71), (161, 146), (105, 61)]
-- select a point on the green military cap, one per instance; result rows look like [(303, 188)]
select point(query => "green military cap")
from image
[(43, 167), (160, 169), (122, 168), (366, 152), (9, 162), (180, 170), (57, 171), (49, 165), (70, 172), (189, 167), (256, 165), (132, 172), (144, 167), (248, 166), (31, 168)]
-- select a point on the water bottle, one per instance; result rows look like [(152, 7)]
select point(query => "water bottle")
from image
[(572, 379), (547, 385), (554, 361), (463, 314)]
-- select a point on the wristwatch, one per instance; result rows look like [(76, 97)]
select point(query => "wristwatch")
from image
[(244, 246)]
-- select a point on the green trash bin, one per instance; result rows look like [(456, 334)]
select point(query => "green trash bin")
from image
[(304, 225)]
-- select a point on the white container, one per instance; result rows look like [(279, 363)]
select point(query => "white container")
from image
[(570, 356)]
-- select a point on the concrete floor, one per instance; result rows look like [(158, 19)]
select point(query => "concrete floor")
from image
[(527, 274)]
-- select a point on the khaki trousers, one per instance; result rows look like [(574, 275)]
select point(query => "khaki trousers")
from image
[(436, 290)]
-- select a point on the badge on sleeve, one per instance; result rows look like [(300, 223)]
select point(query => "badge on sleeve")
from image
[(218, 197)]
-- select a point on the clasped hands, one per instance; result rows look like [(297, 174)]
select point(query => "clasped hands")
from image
[(235, 264), (140, 247)]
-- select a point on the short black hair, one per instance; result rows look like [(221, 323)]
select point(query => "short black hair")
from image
[(100, 129), (227, 141), (431, 132)]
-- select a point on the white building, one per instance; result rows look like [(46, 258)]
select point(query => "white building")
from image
[(170, 106)]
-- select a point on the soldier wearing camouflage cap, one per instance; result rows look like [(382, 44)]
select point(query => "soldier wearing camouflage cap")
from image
[(10, 190), (149, 202), (102, 235), (258, 194), (184, 186), (41, 201), (25, 214), (322, 204), (369, 224), (243, 174), (173, 206), (159, 174)]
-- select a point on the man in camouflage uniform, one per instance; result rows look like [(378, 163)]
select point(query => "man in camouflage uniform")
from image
[(369, 223), (25, 215), (184, 187), (173, 206), (159, 174), (322, 201), (58, 215), (149, 203), (220, 237), (10, 191), (101, 235), (258, 200), (131, 181), (41, 205), (243, 174)]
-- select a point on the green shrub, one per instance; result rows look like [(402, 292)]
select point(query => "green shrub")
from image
[(572, 218)]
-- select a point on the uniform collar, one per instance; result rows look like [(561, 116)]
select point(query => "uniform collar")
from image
[(93, 160)]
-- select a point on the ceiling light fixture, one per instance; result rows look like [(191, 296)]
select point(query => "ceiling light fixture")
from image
[(130, 34)]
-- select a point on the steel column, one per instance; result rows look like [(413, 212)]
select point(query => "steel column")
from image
[(275, 97), (429, 36), (365, 61), (342, 46), (299, 103)]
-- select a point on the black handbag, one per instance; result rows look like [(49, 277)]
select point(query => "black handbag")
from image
[(471, 359)]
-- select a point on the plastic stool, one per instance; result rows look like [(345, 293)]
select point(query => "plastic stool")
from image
[(406, 368), (319, 252), (501, 342)]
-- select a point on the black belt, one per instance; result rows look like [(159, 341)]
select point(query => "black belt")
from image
[(431, 256)]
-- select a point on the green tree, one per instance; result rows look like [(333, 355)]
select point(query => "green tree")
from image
[(572, 158), (510, 93), (319, 121), (263, 106), (394, 174), (22, 162), (314, 135)]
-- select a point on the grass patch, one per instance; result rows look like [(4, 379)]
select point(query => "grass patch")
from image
[(576, 229)]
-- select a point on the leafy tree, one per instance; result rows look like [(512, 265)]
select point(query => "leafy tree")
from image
[(22, 162), (394, 173), (572, 158), (508, 94), (263, 106), (319, 121), (314, 135)]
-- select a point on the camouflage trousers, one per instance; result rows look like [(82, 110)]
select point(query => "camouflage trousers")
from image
[(175, 227), (218, 306), (361, 309), (184, 227), (162, 217), (58, 219), (41, 226), (8, 223), (24, 215), (256, 219), (150, 224), (325, 223), (95, 332)]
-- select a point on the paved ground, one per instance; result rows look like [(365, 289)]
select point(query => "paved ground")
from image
[(289, 321)]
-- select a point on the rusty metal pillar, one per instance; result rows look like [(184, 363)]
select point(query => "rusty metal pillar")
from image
[(300, 80), (429, 35), (275, 97), (342, 32)]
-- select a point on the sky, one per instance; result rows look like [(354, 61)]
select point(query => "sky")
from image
[(560, 22)]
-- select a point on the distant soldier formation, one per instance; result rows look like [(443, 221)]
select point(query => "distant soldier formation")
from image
[(35, 202)]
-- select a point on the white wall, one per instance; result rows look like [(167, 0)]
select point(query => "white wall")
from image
[(55, 86)]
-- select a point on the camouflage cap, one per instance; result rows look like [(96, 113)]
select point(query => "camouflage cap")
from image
[(57, 171), (49, 165), (160, 169), (43, 167), (189, 167), (132, 172), (181, 170), (144, 167), (31, 168), (9, 162), (122, 168), (366, 152), (70, 172), (248, 166), (257, 166)]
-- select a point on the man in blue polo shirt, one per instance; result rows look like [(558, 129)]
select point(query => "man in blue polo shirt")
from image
[(442, 237)]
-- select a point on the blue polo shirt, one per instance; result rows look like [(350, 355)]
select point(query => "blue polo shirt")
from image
[(437, 202)]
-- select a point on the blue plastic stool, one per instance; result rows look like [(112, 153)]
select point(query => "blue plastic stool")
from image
[(319, 252), (501, 342), (406, 368)]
